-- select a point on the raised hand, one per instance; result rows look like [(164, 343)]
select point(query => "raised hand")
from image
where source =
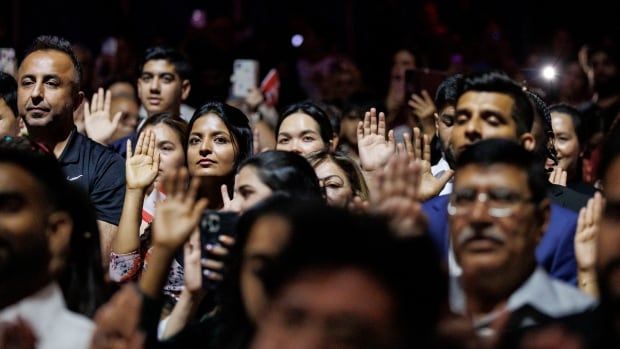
[(424, 108), (588, 225), (418, 148), (558, 176), (117, 321), (397, 189), (141, 166), (179, 214), (374, 148), (232, 204), (98, 123), (191, 267)]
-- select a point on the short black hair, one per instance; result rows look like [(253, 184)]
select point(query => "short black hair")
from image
[(448, 91), (178, 60), (8, 91), (236, 122), (316, 113), (543, 115), (498, 82), (328, 239), (57, 43), (506, 152), (287, 173)]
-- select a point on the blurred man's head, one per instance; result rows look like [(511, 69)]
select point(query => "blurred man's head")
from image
[(35, 227), (359, 292), (9, 122), (164, 80), (445, 101), (602, 68), (497, 213), (492, 105)]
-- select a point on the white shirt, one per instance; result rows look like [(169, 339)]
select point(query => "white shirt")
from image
[(54, 326), (437, 170)]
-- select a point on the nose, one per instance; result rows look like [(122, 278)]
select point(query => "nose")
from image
[(472, 130), (296, 147), (154, 87), (36, 94), (205, 148)]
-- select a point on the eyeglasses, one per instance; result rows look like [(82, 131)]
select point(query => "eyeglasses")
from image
[(500, 202)]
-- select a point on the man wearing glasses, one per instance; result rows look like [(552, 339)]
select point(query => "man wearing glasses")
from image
[(497, 214)]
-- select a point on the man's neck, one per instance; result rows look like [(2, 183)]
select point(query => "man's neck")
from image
[(53, 139), (489, 293), (13, 291)]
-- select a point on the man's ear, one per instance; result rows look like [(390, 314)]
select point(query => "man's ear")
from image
[(59, 229), (186, 86), (543, 214), (78, 100), (528, 141)]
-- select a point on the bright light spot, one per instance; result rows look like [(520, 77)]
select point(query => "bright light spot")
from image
[(549, 73), (297, 40)]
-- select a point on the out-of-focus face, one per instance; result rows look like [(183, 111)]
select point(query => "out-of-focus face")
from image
[(171, 153), (9, 123), (573, 82), (160, 88), (348, 128), (341, 308), (129, 121), (301, 134), (211, 147), (23, 225), (45, 92), (603, 72), (250, 188), (335, 183), (482, 115), (494, 226), (266, 239), (566, 142), (608, 238), (444, 122), (403, 60)]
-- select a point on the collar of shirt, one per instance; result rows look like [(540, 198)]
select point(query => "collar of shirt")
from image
[(71, 152), (39, 309)]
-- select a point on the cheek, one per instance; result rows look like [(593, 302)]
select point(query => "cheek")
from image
[(171, 160), (252, 293)]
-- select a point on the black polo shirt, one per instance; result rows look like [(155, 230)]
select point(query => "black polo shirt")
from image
[(98, 170)]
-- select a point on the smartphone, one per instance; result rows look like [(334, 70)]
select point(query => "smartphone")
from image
[(212, 225), (8, 62), (245, 77), (417, 80)]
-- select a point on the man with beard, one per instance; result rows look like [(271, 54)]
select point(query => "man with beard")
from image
[(35, 230), (498, 212)]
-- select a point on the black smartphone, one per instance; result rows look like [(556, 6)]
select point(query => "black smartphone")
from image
[(417, 80), (412, 82), (212, 225)]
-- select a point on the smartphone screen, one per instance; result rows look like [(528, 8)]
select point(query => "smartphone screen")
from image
[(417, 80)]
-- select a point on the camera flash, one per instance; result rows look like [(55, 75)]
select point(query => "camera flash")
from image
[(297, 40), (549, 72)]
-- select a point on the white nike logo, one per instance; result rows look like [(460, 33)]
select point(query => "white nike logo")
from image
[(74, 178)]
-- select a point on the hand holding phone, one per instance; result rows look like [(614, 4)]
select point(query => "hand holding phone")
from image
[(217, 230)]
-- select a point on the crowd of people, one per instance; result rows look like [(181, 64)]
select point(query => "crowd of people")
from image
[(481, 214)]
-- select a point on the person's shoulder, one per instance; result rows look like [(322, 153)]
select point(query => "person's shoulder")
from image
[(570, 297), (73, 330), (100, 152)]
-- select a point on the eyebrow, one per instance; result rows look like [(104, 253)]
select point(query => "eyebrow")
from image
[(332, 176)]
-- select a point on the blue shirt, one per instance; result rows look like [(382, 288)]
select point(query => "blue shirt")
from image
[(97, 170), (555, 252)]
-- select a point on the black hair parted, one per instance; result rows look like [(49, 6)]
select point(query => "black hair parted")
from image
[(8, 91), (495, 151), (57, 43), (174, 57), (576, 118), (499, 82), (286, 173), (316, 113)]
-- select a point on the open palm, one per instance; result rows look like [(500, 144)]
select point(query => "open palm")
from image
[(141, 167), (374, 149)]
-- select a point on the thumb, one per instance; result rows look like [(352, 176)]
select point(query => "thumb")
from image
[(445, 177)]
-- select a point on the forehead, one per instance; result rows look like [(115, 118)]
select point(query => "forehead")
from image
[(492, 176), (299, 122), (486, 101), (46, 62), (15, 179), (209, 122), (328, 168), (268, 235), (159, 66), (561, 122), (164, 132)]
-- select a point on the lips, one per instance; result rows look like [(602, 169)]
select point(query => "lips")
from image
[(37, 109), (205, 162), (154, 100), (482, 244)]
